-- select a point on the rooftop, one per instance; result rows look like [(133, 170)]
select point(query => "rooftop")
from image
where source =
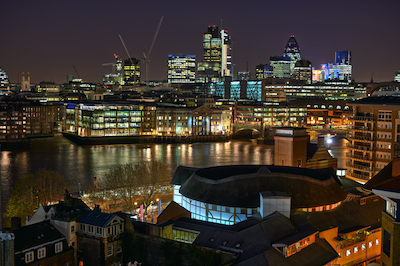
[(240, 185), (35, 235)]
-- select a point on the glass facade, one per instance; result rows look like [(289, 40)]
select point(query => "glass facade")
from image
[(131, 71), (211, 212), (282, 66), (254, 90), (217, 213), (235, 90), (181, 69), (328, 91)]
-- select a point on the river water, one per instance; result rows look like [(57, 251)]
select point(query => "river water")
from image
[(80, 164)]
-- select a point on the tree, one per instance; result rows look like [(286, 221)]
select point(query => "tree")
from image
[(124, 185), (152, 175), (32, 190), (117, 190)]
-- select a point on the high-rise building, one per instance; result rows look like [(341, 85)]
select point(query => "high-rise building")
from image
[(303, 71), (212, 45), (226, 64), (374, 136), (181, 69), (264, 71), (341, 70), (3, 78), (343, 57), (292, 49), (116, 77), (217, 56), (397, 76), (131, 71), (282, 66)]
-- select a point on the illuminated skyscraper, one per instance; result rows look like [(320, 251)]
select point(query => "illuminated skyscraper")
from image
[(343, 57), (341, 70), (181, 69), (397, 76), (226, 64), (303, 71), (264, 71), (3, 78), (117, 77), (292, 49), (212, 45), (131, 71), (282, 66), (217, 56)]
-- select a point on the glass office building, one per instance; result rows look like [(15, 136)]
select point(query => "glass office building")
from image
[(181, 69)]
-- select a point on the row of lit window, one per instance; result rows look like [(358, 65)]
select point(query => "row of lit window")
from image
[(355, 249), (322, 208)]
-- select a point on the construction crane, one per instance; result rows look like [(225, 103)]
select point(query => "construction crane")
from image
[(113, 64), (76, 72), (146, 58), (126, 50)]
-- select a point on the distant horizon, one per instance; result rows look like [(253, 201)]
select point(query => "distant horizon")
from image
[(49, 38)]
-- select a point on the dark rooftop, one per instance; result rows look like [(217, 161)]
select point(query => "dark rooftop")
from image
[(35, 235), (96, 218), (388, 100), (348, 215), (240, 185)]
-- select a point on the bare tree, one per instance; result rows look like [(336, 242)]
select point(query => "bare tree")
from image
[(124, 185), (152, 176)]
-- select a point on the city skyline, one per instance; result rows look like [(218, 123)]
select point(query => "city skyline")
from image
[(49, 39)]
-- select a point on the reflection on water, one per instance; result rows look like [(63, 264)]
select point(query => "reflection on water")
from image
[(79, 164)]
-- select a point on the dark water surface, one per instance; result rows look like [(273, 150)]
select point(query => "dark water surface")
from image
[(79, 164)]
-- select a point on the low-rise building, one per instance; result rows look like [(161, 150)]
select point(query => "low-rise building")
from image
[(99, 237), (41, 244)]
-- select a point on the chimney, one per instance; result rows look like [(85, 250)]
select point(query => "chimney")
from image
[(97, 208), (15, 223)]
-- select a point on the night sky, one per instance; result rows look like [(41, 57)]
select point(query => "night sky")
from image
[(48, 38)]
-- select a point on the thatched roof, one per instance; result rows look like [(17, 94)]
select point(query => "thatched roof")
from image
[(240, 185)]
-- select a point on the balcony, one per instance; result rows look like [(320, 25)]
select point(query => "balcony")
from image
[(363, 138), (359, 128), (359, 157), (359, 147), (360, 177), (362, 118), (360, 167)]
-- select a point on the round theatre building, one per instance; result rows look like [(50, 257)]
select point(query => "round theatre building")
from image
[(230, 194)]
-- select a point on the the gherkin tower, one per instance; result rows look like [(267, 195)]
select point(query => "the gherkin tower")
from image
[(292, 50)]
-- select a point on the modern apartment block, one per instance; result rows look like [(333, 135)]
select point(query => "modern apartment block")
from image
[(374, 136)]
